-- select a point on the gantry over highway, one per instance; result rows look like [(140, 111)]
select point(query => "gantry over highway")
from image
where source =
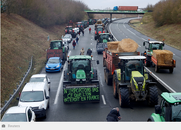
[(113, 12)]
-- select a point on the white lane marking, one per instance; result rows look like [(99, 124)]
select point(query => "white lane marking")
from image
[(60, 83), (112, 33), (103, 99), (143, 39), (131, 32)]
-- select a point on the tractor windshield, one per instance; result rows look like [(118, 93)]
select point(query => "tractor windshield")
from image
[(80, 64), (176, 112), (156, 46), (56, 45), (134, 65)]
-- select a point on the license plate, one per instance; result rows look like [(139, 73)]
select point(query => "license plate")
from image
[(52, 68)]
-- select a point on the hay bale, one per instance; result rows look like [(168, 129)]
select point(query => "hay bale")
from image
[(127, 45), (164, 57), (112, 45)]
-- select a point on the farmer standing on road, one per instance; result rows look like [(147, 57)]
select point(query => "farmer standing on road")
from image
[(74, 44), (114, 115), (77, 39), (82, 51)]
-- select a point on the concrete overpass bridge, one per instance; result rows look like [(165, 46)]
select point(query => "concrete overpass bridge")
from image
[(113, 12)]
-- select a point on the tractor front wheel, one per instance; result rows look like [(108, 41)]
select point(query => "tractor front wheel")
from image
[(153, 96), (124, 100), (115, 93)]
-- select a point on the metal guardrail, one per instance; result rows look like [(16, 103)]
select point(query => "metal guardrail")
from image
[(18, 87)]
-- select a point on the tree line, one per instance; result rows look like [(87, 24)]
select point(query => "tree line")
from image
[(166, 12), (48, 12)]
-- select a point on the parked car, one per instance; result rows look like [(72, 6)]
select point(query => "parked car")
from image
[(54, 64), (66, 45), (19, 114), (40, 78), (36, 95), (76, 30), (67, 37)]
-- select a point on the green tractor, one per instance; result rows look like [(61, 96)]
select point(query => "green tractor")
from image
[(81, 82), (169, 108), (151, 45), (130, 82), (57, 49)]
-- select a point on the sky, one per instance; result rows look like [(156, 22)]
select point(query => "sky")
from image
[(104, 4)]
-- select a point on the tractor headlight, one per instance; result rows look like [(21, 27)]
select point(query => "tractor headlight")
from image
[(83, 79), (77, 79)]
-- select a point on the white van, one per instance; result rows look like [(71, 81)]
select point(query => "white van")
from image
[(36, 95)]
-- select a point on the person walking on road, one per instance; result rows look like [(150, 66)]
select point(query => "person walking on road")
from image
[(73, 44), (89, 52), (82, 32), (82, 51), (90, 30), (77, 39), (114, 115)]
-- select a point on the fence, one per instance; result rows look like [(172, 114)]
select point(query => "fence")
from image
[(18, 87)]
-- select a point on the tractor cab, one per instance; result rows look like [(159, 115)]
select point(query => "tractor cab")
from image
[(169, 108), (104, 38), (56, 44), (153, 45)]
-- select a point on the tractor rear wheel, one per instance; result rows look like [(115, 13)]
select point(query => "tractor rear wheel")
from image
[(104, 62), (147, 63), (115, 93), (171, 70), (153, 96), (156, 69), (124, 100), (108, 80), (95, 74), (105, 75)]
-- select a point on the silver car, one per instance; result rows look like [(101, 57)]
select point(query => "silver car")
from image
[(67, 38)]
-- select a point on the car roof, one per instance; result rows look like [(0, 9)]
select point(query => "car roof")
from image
[(17, 109), (38, 75), (172, 97), (132, 57), (79, 57), (159, 42), (34, 86), (54, 58)]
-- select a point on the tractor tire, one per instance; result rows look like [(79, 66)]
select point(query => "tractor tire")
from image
[(95, 74), (171, 70), (105, 75), (65, 75), (147, 63), (156, 69), (124, 100), (108, 80), (153, 96), (104, 62), (115, 93)]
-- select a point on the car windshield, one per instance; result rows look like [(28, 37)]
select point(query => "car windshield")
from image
[(37, 79), (66, 36), (99, 29), (176, 112), (55, 45), (53, 61), (80, 64), (32, 96), (14, 117)]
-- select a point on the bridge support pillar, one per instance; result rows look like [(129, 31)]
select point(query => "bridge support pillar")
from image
[(111, 18)]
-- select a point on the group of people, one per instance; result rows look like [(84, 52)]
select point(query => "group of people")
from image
[(89, 52)]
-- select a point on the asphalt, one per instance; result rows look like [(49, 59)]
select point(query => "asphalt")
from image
[(97, 112)]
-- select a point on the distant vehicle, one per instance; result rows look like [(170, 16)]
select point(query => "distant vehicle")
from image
[(100, 47), (125, 8), (66, 45), (69, 30), (115, 8), (76, 30), (98, 30), (67, 38), (19, 114), (80, 25), (36, 95), (85, 23), (169, 109), (57, 49), (40, 78), (54, 64)]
